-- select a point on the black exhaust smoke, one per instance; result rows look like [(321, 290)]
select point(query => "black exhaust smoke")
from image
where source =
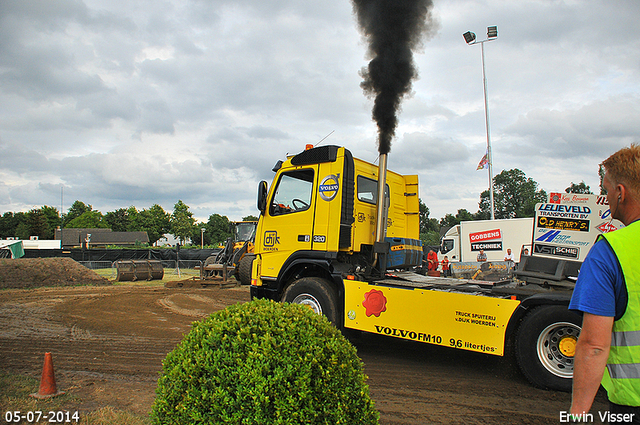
[(394, 29)]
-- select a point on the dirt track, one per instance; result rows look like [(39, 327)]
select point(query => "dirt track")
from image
[(108, 343)]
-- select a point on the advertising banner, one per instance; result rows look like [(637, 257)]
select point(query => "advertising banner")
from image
[(567, 226)]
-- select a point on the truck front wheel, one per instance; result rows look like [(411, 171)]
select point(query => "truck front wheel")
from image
[(317, 294), (545, 346)]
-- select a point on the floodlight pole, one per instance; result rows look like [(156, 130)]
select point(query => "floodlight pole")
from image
[(486, 118), (470, 38)]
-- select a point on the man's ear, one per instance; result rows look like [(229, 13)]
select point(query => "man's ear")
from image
[(621, 191)]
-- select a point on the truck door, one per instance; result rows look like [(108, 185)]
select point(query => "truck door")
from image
[(288, 222), (328, 212)]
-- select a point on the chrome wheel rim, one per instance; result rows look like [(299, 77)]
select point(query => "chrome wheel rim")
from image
[(556, 348), (310, 301)]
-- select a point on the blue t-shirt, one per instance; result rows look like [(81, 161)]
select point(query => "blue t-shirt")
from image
[(600, 288)]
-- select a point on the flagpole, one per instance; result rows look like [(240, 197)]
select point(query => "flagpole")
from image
[(486, 117)]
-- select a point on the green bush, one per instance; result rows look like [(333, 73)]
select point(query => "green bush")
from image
[(263, 362)]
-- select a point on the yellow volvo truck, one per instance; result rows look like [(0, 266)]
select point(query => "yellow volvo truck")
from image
[(331, 238)]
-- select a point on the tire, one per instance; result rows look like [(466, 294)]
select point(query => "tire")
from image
[(545, 346), (210, 260), (317, 294), (244, 269)]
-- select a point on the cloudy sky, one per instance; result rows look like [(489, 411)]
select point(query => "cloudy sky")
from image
[(119, 103)]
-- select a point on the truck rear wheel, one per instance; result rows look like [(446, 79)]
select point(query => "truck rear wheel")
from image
[(545, 346), (317, 294)]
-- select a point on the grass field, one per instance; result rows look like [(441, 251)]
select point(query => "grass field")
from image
[(15, 389), (15, 401)]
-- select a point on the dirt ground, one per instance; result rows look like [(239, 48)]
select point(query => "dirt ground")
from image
[(38, 272), (108, 343)]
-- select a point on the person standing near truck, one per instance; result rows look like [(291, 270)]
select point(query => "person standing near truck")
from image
[(481, 256), (608, 293), (509, 256), (432, 260), (445, 266)]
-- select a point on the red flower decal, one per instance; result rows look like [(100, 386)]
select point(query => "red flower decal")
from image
[(374, 302)]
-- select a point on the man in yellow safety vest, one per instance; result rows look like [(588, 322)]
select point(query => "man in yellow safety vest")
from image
[(608, 294)]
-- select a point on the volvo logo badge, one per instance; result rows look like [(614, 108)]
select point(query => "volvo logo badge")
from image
[(329, 187)]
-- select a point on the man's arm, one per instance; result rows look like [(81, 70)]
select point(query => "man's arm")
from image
[(592, 351)]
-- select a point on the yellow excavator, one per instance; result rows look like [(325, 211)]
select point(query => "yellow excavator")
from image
[(236, 257)]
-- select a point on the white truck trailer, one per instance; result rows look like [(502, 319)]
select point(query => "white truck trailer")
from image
[(463, 242)]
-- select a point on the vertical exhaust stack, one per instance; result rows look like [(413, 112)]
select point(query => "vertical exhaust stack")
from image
[(393, 29), (381, 247), (381, 216)]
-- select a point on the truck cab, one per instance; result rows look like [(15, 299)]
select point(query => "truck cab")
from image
[(318, 218)]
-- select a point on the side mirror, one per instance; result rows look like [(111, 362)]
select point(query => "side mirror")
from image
[(262, 196)]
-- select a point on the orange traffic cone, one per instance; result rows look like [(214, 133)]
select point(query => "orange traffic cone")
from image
[(48, 381)]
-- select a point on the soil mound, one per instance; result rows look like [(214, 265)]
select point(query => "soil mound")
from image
[(36, 272)]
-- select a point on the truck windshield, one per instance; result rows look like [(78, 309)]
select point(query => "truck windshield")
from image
[(447, 245), (293, 192)]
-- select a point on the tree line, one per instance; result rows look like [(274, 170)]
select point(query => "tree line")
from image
[(515, 196), (42, 222)]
